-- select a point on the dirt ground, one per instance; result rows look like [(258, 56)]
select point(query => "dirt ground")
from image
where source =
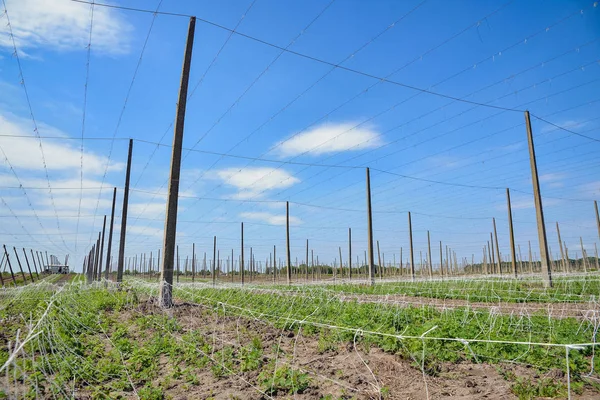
[(343, 371)]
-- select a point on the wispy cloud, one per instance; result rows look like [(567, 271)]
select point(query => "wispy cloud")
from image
[(24, 152), (568, 124), (272, 219), (330, 138), (64, 26), (255, 182)]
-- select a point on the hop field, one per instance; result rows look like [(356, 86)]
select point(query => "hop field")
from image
[(418, 340)]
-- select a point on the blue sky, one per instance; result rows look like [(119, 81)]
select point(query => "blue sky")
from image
[(249, 99)]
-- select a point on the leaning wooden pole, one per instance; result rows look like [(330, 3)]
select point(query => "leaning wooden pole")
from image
[(20, 266), (28, 266), (539, 209), (287, 241), (499, 265), (12, 274), (349, 253), (166, 278), (430, 259), (597, 217), (123, 232), (101, 249), (511, 234), (110, 235), (370, 231), (35, 265), (412, 253), (562, 251), (242, 256), (214, 263)]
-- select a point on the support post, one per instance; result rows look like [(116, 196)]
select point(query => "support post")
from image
[(214, 263), (562, 251), (242, 256), (412, 253), (430, 259), (370, 231), (441, 261), (123, 232), (34, 264), (28, 266), (349, 253), (539, 210), (101, 249), (166, 284), (287, 240), (12, 274), (306, 259), (20, 266), (511, 233), (110, 235), (499, 260)]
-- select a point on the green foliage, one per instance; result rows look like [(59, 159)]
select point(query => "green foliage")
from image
[(283, 379)]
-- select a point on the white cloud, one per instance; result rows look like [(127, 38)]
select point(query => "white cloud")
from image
[(24, 153), (590, 189), (151, 210), (330, 138), (64, 25), (254, 182), (568, 124), (269, 218)]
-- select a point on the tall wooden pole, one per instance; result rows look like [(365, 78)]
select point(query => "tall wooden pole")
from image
[(274, 263), (597, 217), (583, 256), (544, 256), (101, 249), (349, 253), (511, 233), (214, 263), (97, 258), (242, 272), (110, 235), (166, 284), (306, 259), (20, 266), (370, 231), (441, 261), (562, 251), (287, 241), (412, 255), (178, 269), (28, 266), (497, 247), (378, 261), (34, 264), (9, 266), (123, 233), (430, 259)]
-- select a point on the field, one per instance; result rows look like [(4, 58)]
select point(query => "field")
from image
[(459, 338)]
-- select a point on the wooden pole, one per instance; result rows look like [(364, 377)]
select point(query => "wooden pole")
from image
[(166, 286), (562, 252), (370, 231), (306, 260), (597, 217), (378, 261), (12, 274), (539, 209), (441, 261), (430, 259), (274, 263), (242, 256), (585, 267), (349, 253), (34, 264), (101, 249), (499, 260), (531, 259), (341, 264), (110, 235), (511, 234), (28, 266), (412, 255), (123, 232), (178, 269), (287, 240), (20, 266), (214, 263)]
